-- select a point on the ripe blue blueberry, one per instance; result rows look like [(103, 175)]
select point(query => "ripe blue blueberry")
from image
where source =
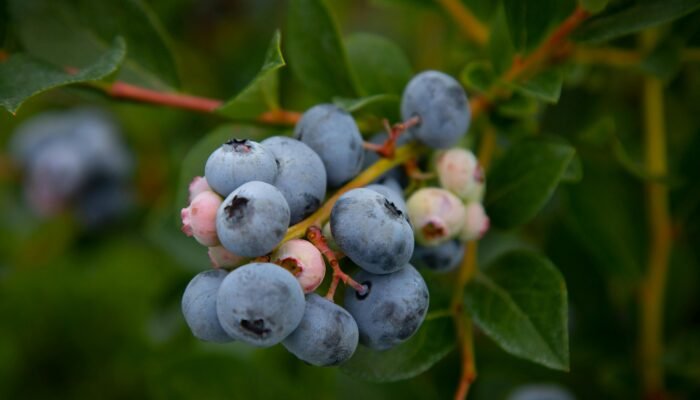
[(260, 304), (392, 309), (301, 176), (102, 202), (441, 258), (237, 162), (326, 336), (372, 231), (253, 219), (391, 193), (333, 135), (440, 102), (541, 392), (199, 306)]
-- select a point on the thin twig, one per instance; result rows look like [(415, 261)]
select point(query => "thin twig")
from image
[(315, 236)]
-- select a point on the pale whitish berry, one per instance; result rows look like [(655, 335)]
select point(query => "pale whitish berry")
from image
[(436, 214), (303, 260), (476, 223), (199, 218), (459, 172), (198, 185), (222, 258)]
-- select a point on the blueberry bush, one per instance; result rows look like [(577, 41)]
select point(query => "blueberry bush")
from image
[(397, 199)]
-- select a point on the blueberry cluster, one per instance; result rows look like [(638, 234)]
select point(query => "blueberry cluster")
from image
[(73, 161), (251, 193)]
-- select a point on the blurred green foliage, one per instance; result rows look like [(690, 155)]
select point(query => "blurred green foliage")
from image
[(95, 314)]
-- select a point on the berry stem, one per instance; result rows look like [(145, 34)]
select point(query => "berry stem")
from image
[(554, 47), (127, 91), (653, 284), (366, 177), (315, 236), (470, 26), (388, 148)]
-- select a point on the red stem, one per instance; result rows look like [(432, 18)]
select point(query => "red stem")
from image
[(317, 239), (122, 90)]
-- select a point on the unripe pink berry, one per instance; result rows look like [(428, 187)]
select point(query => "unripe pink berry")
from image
[(436, 215), (199, 219), (198, 185), (459, 172), (476, 223), (222, 258), (303, 260)]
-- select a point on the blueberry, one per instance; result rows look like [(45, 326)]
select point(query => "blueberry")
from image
[(333, 135), (260, 304), (199, 218), (303, 260), (220, 257), (55, 176), (326, 336), (301, 176), (440, 102), (541, 392), (390, 192), (237, 162), (372, 231), (476, 223), (103, 201), (253, 219), (437, 215), (459, 172), (441, 258), (199, 306), (393, 308)]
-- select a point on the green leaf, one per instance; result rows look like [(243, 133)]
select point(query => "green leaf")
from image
[(638, 16), (73, 33), (593, 6), (524, 179), (196, 158), (574, 171), (478, 76), (23, 76), (520, 302), (261, 94), (369, 103), (430, 344), (316, 53), (530, 20), (501, 49), (378, 63), (665, 61), (544, 86), (518, 106)]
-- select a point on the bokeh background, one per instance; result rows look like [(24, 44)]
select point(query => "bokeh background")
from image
[(94, 313)]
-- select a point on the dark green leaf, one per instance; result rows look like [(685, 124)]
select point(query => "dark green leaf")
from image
[(520, 302), (378, 63), (72, 33), (478, 76), (544, 86), (593, 6), (193, 163), (23, 76), (501, 50), (520, 184), (261, 94), (634, 18), (530, 20), (430, 344), (574, 171), (369, 103), (518, 106), (665, 61), (316, 53)]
